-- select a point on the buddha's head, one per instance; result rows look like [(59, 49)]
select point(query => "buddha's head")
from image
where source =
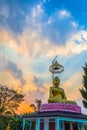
[(56, 81)]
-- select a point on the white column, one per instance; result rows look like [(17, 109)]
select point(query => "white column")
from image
[(57, 123), (46, 124), (38, 124)]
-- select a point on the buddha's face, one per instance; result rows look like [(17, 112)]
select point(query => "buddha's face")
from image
[(56, 81)]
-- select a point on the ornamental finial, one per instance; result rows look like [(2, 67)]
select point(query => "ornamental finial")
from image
[(55, 68)]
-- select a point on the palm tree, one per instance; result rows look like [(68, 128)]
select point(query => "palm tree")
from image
[(38, 102), (37, 106)]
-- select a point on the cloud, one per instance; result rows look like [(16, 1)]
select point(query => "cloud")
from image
[(74, 24), (3, 63), (77, 43), (56, 29), (37, 10), (12, 16), (64, 13), (32, 44), (36, 88), (42, 32), (72, 86), (17, 73), (37, 81), (4, 11), (42, 46), (40, 86), (52, 27), (9, 66)]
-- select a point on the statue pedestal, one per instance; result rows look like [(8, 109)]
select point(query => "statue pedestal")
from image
[(60, 107)]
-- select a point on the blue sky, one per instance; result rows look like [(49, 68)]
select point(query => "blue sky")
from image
[(32, 33)]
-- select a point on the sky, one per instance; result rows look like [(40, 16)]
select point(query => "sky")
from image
[(32, 33)]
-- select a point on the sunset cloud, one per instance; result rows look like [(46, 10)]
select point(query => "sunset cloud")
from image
[(74, 87)]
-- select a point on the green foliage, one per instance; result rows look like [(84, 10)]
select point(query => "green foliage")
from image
[(9, 100), (83, 91), (3, 122), (85, 127), (15, 122)]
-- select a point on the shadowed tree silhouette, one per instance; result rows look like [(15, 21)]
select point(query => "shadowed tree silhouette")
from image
[(83, 91), (37, 106), (9, 100), (33, 106), (38, 103)]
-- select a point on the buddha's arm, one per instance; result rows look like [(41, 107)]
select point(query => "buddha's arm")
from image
[(51, 95), (64, 95)]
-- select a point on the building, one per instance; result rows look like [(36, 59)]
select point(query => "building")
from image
[(59, 113), (56, 120)]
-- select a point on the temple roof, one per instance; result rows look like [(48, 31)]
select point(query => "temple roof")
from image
[(57, 114)]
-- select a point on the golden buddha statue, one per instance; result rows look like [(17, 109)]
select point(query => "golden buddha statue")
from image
[(57, 100), (57, 94)]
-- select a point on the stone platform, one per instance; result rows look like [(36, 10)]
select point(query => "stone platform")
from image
[(60, 107)]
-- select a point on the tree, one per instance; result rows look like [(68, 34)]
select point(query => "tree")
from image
[(16, 122), (33, 107), (9, 100), (38, 102), (3, 122), (83, 91), (37, 106)]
